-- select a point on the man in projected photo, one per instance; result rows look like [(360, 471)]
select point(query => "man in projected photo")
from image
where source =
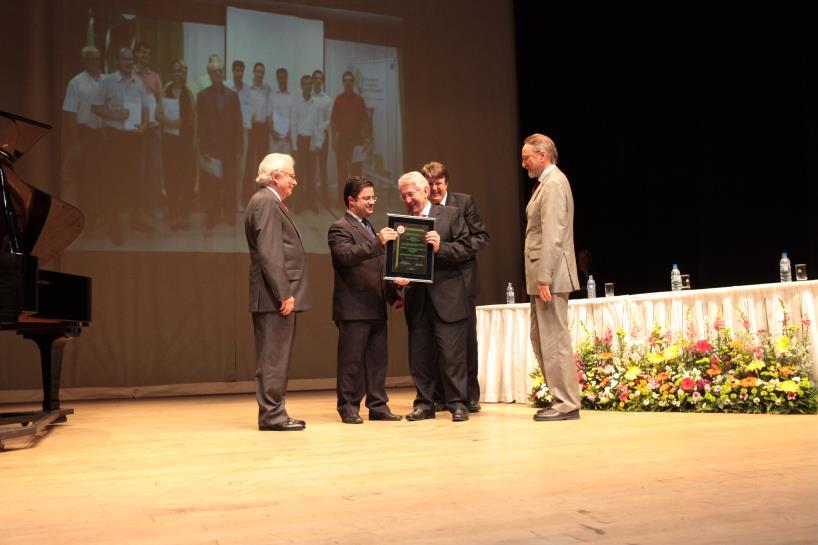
[(359, 299), (237, 86), (550, 275), (258, 144), (279, 110), (323, 103), (437, 314), (151, 192), (83, 129), (438, 177), (122, 103), (220, 136), (350, 128), (304, 135), (278, 287)]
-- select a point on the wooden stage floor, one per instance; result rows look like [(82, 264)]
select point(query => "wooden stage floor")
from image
[(195, 470)]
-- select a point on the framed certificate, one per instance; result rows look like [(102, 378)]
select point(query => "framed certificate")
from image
[(409, 256)]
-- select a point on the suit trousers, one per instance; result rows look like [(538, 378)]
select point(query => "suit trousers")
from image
[(472, 382), (551, 342), (438, 349), (274, 336), (362, 359)]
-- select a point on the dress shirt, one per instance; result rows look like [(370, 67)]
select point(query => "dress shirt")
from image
[(323, 103), (111, 93), (260, 96), (304, 121), (280, 108), (78, 98)]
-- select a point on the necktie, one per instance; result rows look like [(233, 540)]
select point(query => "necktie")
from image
[(283, 206), (534, 187), (369, 230)]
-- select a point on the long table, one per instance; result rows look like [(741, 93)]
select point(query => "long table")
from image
[(505, 357)]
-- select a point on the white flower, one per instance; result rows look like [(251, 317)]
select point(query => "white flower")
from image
[(756, 400)]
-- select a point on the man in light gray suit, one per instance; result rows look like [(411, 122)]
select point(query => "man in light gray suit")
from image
[(551, 275), (278, 287)]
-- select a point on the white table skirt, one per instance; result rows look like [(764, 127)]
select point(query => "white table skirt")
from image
[(505, 357)]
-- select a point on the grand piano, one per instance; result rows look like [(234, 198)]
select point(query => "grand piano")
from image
[(47, 307)]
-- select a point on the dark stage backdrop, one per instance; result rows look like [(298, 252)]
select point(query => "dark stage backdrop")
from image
[(170, 307), (688, 135)]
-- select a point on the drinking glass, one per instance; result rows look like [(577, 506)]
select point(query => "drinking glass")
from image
[(685, 281), (609, 289), (800, 271)]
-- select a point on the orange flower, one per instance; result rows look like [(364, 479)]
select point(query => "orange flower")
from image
[(661, 377), (786, 370), (749, 382), (714, 370), (603, 356)]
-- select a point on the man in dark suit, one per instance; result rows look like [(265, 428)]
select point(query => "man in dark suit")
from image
[(359, 305), (438, 177), (278, 287), (437, 314), (220, 138)]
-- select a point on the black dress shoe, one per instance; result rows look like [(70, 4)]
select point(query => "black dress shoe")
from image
[(460, 415), (420, 414), (283, 426), (550, 415), (440, 407), (295, 421), (385, 416), (352, 418), (474, 407)]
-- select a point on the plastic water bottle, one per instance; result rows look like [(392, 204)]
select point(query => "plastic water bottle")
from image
[(509, 294), (784, 269), (591, 287), (675, 278)]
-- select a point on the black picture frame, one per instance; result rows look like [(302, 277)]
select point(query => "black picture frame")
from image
[(405, 259)]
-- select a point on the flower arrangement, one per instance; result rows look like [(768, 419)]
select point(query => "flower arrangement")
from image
[(738, 372)]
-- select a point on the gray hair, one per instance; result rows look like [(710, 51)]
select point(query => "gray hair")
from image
[(540, 142), (416, 178), (89, 51), (274, 162)]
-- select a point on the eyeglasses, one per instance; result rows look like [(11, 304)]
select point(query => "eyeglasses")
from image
[(291, 175), (371, 198)]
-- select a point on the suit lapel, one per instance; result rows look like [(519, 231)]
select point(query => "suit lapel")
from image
[(357, 227), (287, 215)]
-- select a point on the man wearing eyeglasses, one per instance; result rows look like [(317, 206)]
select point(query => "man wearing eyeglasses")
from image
[(278, 287), (359, 298)]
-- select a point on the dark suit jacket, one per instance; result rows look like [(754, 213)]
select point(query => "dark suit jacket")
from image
[(478, 237), (278, 269), (357, 259), (220, 128), (448, 292)]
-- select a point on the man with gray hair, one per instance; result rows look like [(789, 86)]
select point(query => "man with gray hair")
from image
[(278, 287), (437, 314), (83, 129), (220, 137), (551, 275)]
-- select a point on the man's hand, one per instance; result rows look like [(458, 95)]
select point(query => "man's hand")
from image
[(287, 306), (120, 115), (400, 282), (397, 304), (386, 234), (545, 292), (433, 238)]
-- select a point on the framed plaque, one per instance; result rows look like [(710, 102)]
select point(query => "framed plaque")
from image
[(409, 256)]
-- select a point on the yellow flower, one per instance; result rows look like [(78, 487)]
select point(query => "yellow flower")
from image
[(788, 386), (654, 358), (671, 351), (537, 381), (632, 373), (782, 344), (736, 344), (755, 365)]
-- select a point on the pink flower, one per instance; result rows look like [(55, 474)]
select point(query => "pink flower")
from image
[(688, 384), (702, 347), (696, 395), (791, 395), (805, 322), (608, 337), (718, 324), (746, 323), (743, 395)]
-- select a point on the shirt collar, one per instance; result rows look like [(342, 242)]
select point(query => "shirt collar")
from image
[(445, 199), (354, 215), (425, 211), (546, 172), (275, 193)]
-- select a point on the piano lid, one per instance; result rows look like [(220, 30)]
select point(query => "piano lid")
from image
[(44, 225)]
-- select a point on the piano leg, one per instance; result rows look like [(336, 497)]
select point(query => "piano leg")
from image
[(51, 343)]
